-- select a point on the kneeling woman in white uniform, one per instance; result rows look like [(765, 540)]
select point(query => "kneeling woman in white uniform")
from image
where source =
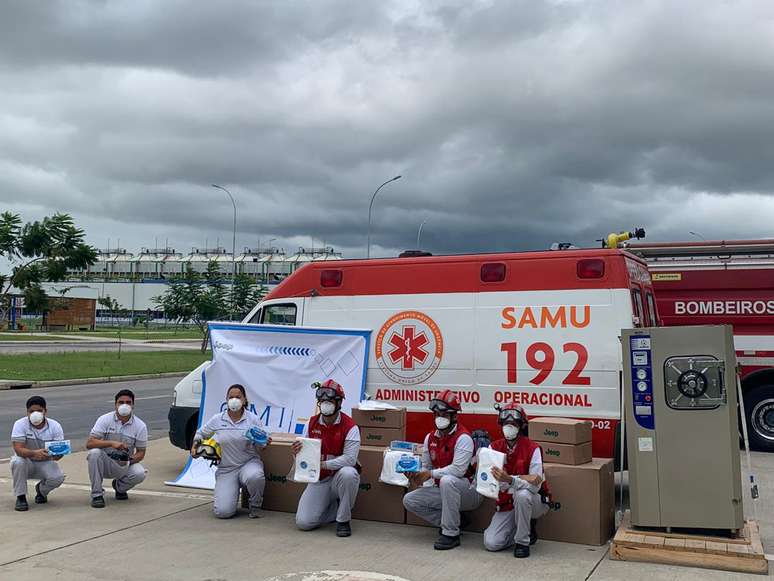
[(240, 462)]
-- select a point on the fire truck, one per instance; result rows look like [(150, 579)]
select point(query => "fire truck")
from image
[(724, 282), (537, 328)]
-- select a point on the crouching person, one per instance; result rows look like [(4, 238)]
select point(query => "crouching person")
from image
[(117, 445), (333, 497), (239, 462), (447, 461), (522, 484), (31, 460)]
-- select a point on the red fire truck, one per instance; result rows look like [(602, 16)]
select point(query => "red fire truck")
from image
[(724, 282)]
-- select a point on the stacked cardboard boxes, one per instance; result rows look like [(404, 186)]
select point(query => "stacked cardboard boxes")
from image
[(564, 440), (280, 494), (380, 427)]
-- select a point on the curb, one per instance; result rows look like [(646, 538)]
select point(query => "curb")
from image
[(22, 384)]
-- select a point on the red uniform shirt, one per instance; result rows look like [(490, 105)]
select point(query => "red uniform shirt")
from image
[(517, 461)]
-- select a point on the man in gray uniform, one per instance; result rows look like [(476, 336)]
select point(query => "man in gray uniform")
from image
[(116, 445), (444, 484), (31, 460)]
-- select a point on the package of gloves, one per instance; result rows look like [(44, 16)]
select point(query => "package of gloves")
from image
[(58, 448), (257, 436)]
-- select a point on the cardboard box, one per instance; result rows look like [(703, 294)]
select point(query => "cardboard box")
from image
[(479, 518), (371, 436), (376, 500), (380, 418), (280, 493), (560, 430), (587, 496), (566, 453)]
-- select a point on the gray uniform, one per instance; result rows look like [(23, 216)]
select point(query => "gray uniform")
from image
[(441, 505), (334, 497), (240, 463), (512, 526), (48, 471), (110, 428)]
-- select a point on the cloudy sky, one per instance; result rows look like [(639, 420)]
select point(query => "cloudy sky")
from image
[(514, 124)]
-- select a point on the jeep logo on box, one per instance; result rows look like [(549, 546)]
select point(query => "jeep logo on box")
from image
[(374, 437), (551, 452), (550, 432), (381, 419)]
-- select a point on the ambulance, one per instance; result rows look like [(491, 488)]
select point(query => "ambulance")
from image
[(537, 328)]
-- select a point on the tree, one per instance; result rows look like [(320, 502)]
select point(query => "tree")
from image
[(112, 306), (245, 294), (37, 252), (195, 297)]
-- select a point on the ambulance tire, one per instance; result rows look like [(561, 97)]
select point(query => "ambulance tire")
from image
[(190, 430), (759, 408)]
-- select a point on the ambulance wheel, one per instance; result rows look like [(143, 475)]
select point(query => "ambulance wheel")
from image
[(759, 406)]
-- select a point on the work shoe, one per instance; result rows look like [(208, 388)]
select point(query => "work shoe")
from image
[(39, 498), (119, 495), (98, 502), (255, 512), (521, 551), (533, 538), (444, 543), (343, 529), (21, 503)]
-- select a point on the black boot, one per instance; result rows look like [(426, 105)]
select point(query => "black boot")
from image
[(343, 529), (521, 551), (533, 538), (21, 503), (444, 543), (120, 495), (39, 498), (98, 502)]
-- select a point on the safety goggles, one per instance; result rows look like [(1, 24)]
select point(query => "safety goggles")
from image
[(326, 393), (513, 415), (438, 405)]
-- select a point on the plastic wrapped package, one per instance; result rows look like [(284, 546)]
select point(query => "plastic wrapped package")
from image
[(486, 484), (307, 464)]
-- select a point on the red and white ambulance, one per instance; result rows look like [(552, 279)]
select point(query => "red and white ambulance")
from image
[(538, 328)]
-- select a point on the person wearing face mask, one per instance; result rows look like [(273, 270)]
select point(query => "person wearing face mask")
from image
[(31, 460), (117, 445), (333, 497), (522, 485), (444, 483), (240, 461)]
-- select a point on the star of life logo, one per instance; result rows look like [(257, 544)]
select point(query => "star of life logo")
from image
[(409, 347)]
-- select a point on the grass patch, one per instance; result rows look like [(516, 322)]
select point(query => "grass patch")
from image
[(81, 364), (18, 336), (136, 334)]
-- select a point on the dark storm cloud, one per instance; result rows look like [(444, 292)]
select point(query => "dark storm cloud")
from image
[(514, 124)]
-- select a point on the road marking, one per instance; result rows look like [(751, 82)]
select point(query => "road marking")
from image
[(87, 488)]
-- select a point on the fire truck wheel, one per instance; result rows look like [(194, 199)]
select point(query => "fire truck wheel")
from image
[(759, 405)]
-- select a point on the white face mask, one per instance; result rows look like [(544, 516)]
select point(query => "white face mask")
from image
[(235, 404), (36, 418), (327, 408), (124, 410), (510, 432), (442, 423)]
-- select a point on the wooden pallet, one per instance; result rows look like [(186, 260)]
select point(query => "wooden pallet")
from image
[(743, 554)]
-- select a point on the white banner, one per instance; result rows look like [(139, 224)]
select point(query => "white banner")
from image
[(277, 366)]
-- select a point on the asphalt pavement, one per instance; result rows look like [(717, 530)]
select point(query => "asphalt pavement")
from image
[(77, 407)]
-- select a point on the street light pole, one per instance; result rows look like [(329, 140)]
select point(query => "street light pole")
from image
[(419, 232), (370, 206), (233, 248)]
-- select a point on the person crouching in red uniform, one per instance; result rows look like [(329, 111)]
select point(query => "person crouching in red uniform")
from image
[(444, 484), (333, 497), (521, 483)]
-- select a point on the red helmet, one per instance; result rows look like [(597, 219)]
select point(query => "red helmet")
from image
[(328, 389), (512, 411), (447, 401)]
